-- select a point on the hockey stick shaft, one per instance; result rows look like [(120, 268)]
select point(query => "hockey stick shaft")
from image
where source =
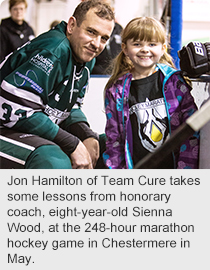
[(193, 123)]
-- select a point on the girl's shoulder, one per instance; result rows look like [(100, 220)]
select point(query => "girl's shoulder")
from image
[(124, 78), (170, 73), (166, 69), (121, 83)]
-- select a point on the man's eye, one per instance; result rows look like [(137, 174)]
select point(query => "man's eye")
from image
[(91, 32), (104, 39)]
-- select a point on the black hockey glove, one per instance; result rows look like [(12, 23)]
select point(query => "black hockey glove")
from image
[(195, 58)]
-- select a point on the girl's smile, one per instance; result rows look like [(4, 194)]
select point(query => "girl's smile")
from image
[(144, 55)]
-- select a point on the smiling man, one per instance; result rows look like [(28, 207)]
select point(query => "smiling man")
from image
[(88, 37), (42, 89)]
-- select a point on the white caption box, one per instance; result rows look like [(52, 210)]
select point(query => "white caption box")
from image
[(105, 219)]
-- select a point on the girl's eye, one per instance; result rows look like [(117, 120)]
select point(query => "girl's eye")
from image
[(152, 44)]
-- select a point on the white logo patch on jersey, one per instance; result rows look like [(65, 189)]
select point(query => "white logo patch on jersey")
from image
[(56, 115), (152, 123)]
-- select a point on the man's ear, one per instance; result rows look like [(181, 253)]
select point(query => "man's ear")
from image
[(71, 24)]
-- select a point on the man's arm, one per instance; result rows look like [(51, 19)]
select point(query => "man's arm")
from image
[(80, 158), (75, 149), (89, 138)]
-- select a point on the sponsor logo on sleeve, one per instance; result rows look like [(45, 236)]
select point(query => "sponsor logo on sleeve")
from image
[(21, 79), (43, 63)]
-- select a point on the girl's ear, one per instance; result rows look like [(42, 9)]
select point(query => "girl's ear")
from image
[(71, 24), (164, 48), (124, 49)]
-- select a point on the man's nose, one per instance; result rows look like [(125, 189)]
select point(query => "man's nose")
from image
[(96, 42)]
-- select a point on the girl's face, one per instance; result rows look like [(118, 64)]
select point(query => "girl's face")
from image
[(144, 54)]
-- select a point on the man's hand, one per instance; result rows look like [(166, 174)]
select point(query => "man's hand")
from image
[(80, 158), (92, 146)]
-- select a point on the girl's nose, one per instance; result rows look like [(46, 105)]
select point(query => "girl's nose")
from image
[(144, 48)]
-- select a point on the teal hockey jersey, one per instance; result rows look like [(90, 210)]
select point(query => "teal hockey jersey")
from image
[(41, 84)]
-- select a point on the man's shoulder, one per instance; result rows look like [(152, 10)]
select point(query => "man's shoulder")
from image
[(53, 40)]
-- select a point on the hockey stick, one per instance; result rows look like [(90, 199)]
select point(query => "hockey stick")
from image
[(193, 123)]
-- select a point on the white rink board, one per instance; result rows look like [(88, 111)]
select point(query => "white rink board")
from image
[(94, 103)]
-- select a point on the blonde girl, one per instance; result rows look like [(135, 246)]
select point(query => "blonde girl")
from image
[(146, 99)]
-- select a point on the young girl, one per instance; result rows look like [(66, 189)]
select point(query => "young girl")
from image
[(146, 99)]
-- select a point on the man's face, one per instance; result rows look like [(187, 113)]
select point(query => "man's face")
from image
[(89, 39)]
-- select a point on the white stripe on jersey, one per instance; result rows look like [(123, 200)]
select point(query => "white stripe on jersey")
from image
[(17, 160), (23, 145), (21, 93)]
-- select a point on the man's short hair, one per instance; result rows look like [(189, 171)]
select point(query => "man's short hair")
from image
[(103, 11)]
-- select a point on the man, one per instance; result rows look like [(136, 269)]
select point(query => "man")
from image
[(14, 30), (42, 88)]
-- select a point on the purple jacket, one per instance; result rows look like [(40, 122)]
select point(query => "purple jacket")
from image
[(179, 106)]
